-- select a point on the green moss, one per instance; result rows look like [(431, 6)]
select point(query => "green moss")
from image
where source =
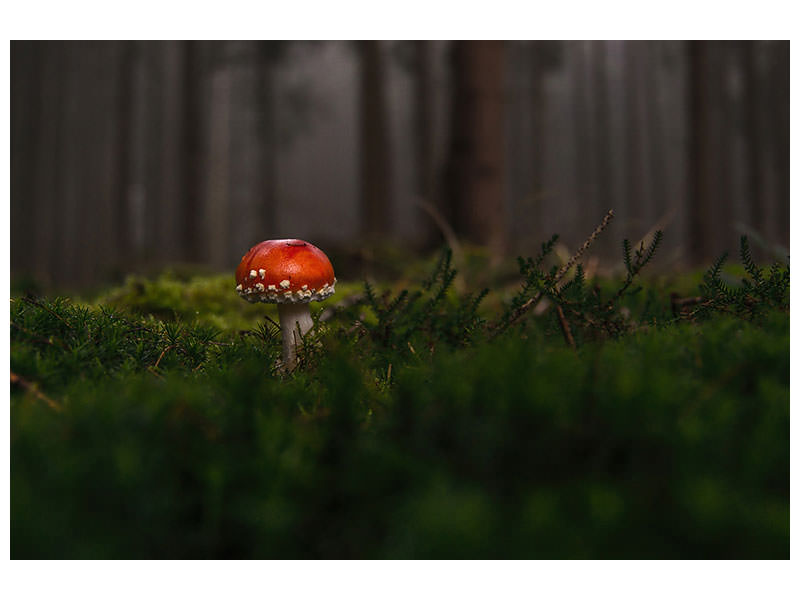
[(160, 428)]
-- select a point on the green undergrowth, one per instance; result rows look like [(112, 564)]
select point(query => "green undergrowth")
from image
[(418, 423), (208, 300)]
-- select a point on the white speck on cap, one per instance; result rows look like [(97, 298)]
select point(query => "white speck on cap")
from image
[(253, 274), (285, 284), (272, 288), (262, 272), (239, 288), (260, 287)]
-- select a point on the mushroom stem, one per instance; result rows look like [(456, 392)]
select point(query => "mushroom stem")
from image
[(293, 317)]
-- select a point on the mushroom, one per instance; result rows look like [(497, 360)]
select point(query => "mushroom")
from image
[(290, 273)]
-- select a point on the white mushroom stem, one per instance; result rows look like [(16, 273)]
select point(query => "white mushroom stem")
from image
[(293, 317)]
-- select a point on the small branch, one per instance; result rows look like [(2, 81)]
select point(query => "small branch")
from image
[(271, 320), (565, 327), (163, 352), (447, 231), (589, 241), (679, 303), (33, 388), (450, 237), (50, 310), (561, 272), (156, 373)]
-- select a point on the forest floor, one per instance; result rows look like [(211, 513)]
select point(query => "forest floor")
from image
[(152, 421)]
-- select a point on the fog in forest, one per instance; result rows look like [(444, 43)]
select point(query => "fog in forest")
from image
[(131, 156)]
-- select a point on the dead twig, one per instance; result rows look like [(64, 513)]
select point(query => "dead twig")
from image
[(560, 273), (447, 232), (450, 237), (156, 373), (678, 303), (589, 241), (33, 388), (565, 327), (163, 352)]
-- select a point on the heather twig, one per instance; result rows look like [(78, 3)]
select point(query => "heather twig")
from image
[(519, 312)]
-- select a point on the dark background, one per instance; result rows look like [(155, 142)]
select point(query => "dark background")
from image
[(129, 156)]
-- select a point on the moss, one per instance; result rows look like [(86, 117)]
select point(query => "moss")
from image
[(151, 423)]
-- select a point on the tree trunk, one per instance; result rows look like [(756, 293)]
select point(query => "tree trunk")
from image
[(192, 143), (778, 101), (635, 124), (699, 167), (375, 152), (26, 120), (267, 55), (475, 170), (546, 56), (121, 192), (426, 188)]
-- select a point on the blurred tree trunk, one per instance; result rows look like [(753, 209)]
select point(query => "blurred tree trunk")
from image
[(171, 56), (546, 58), (26, 107), (375, 153), (539, 65), (245, 60), (216, 231), (635, 124), (585, 140), (424, 128), (699, 167), (121, 193), (657, 205), (70, 195), (192, 155), (601, 127), (778, 101), (752, 132), (591, 137), (49, 152), (268, 53), (476, 163)]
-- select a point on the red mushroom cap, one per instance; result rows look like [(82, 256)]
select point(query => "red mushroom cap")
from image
[(285, 271)]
